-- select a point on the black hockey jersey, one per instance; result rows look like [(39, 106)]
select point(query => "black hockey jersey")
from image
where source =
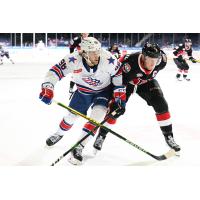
[(116, 51), (135, 74), (74, 43), (181, 50)]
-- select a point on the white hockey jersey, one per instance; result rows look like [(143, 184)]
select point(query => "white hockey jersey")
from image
[(88, 80)]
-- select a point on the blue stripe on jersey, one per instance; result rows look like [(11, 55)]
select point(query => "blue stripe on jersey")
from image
[(55, 73), (58, 71), (58, 66)]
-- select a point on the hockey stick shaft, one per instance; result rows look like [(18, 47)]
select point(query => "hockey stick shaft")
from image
[(162, 157)]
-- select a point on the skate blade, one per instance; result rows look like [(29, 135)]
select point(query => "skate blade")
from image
[(95, 151), (177, 153), (74, 161)]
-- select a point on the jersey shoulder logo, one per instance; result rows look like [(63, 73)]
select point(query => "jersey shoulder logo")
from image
[(77, 71), (126, 68)]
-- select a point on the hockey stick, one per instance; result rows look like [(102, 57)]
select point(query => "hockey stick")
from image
[(82, 139), (165, 156)]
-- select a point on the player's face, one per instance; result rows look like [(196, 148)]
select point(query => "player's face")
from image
[(94, 57), (114, 47), (150, 63), (188, 44)]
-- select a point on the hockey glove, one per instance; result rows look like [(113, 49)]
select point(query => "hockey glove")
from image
[(46, 95), (193, 59), (119, 100)]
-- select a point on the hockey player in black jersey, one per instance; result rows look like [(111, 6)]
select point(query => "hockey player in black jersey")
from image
[(139, 71), (115, 50), (182, 53), (75, 44)]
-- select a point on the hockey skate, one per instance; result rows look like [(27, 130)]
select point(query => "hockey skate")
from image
[(53, 139), (98, 144), (172, 144), (76, 156), (179, 78), (186, 78)]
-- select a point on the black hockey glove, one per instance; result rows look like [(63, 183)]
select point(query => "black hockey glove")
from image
[(193, 60), (120, 109)]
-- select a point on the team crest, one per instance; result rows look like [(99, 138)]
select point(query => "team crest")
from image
[(91, 81), (126, 68)]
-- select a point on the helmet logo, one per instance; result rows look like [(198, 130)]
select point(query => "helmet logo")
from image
[(148, 45)]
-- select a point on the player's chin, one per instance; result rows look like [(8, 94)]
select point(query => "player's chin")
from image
[(95, 62)]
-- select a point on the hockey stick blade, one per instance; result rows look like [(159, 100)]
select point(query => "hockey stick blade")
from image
[(165, 156)]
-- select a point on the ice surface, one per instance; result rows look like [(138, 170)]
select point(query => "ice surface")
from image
[(26, 122)]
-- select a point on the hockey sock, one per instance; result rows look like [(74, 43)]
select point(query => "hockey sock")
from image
[(164, 121), (66, 123), (98, 113)]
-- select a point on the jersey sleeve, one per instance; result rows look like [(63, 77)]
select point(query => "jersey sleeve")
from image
[(163, 61), (59, 70), (190, 53), (117, 74)]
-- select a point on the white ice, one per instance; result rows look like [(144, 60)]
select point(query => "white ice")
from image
[(26, 122)]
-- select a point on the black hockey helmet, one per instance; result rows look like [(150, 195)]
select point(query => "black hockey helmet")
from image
[(151, 50)]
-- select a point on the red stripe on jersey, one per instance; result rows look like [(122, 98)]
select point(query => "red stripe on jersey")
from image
[(164, 116), (111, 121), (58, 71), (64, 125), (84, 89)]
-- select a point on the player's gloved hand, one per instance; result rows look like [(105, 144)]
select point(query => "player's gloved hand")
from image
[(119, 103), (46, 95), (193, 59)]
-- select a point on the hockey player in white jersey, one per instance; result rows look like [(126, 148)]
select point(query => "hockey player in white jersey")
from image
[(4, 52), (96, 72)]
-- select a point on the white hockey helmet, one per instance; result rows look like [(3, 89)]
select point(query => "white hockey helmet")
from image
[(90, 44)]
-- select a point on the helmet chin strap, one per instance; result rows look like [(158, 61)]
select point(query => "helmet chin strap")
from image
[(85, 55)]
